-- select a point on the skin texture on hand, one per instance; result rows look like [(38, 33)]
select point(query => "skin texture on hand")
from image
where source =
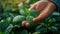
[(25, 23), (40, 5), (45, 12)]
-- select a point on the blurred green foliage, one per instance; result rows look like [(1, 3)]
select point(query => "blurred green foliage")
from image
[(9, 9)]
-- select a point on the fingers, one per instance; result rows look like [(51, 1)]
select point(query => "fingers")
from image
[(32, 7), (35, 20), (46, 12), (25, 23), (41, 6), (46, 9)]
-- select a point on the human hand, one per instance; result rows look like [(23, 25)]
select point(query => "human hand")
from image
[(44, 7)]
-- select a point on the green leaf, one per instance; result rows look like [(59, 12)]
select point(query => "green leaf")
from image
[(56, 14), (34, 13), (9, 19), (21, 32), (1, 32), (53, 29), (36, 33), (9, 28), (24, 32), (30, 19), (12, 33), (18, 19), (51, 20), (41, 28), (27, 12), (22, 12), (3, 26)]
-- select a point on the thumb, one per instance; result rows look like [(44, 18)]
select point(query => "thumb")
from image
[(25, 23)]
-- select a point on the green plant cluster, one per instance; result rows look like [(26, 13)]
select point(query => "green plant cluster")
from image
[(11, 18)]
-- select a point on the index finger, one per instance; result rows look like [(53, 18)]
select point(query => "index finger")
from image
[(32, 7)]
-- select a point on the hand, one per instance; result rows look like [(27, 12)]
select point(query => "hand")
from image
[(25, 23), (40, 5), (44, 7), (35, 20)]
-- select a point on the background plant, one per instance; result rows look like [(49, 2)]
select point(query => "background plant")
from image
[(9, 9)]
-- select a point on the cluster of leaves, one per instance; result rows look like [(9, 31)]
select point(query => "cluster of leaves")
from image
[(11, 18)]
